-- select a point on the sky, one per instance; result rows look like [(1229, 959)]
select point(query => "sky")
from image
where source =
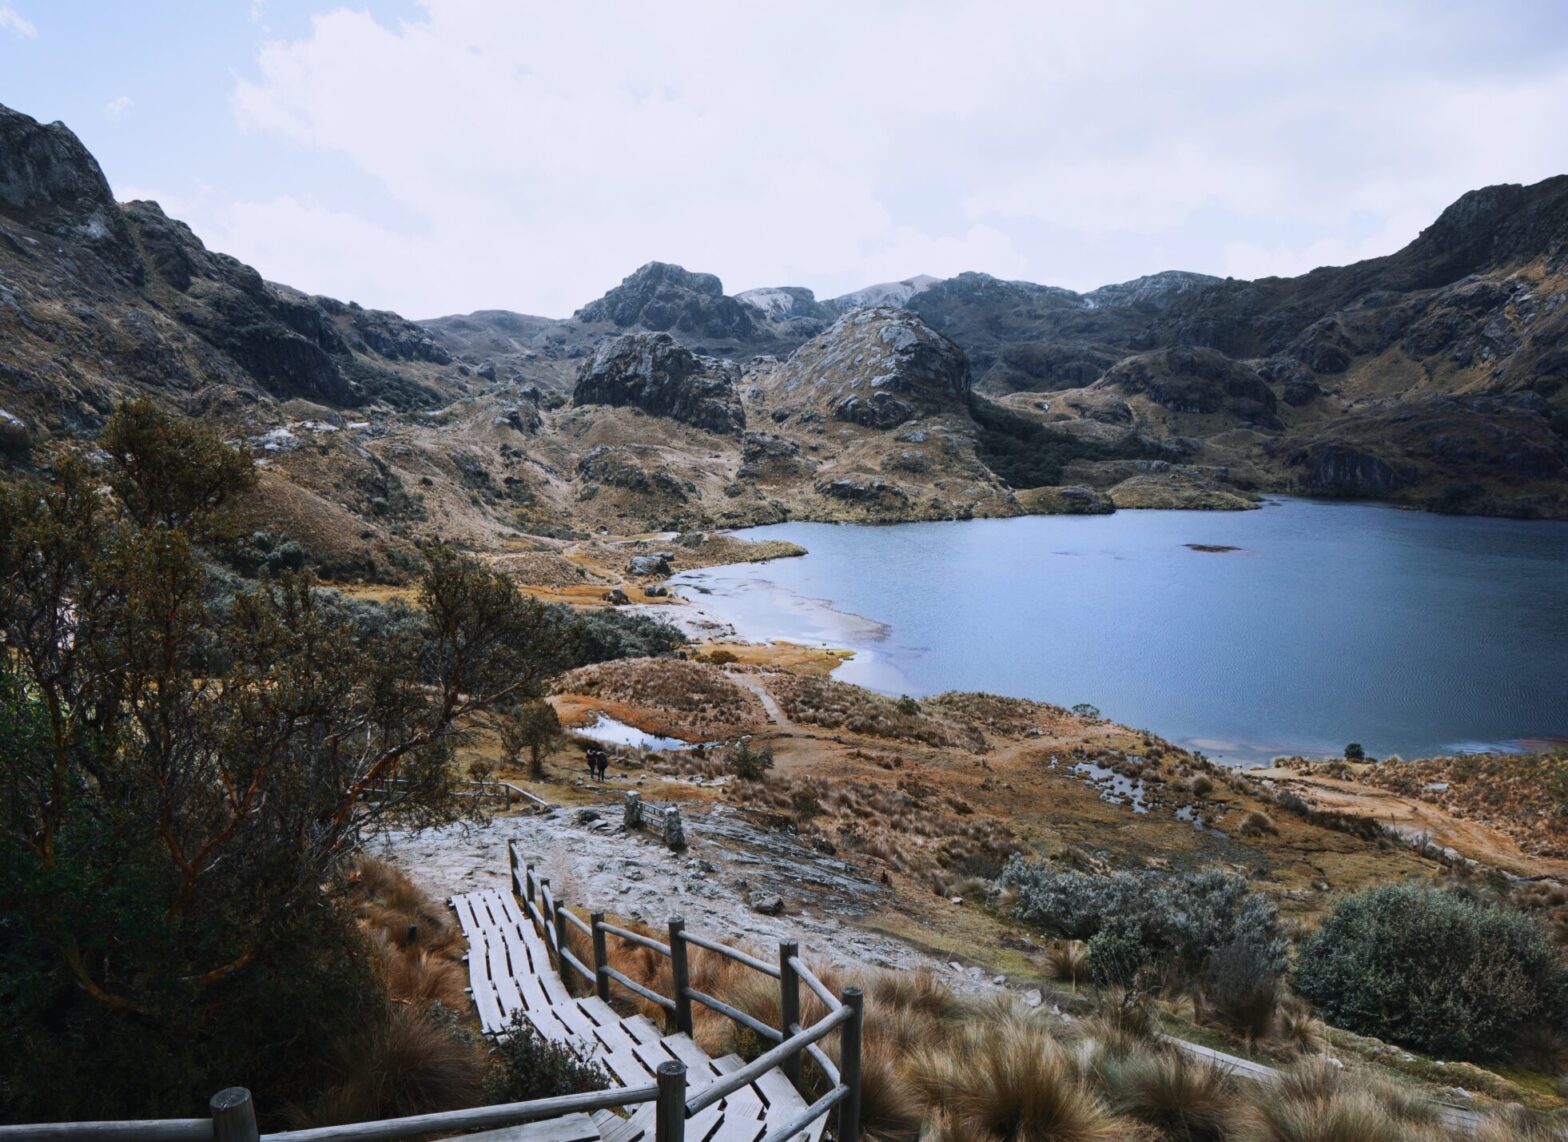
[(441, 156)]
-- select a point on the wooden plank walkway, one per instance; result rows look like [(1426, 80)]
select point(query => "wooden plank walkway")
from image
[(509, 972)]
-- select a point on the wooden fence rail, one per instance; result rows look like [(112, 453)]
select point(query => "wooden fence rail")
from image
[(233, 1116), (793, 1043)]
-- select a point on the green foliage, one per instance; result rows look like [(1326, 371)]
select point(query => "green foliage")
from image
[(748, 762), (1195, 926), (1086, 710), (531, 726), (907, 705), (1029, 454), (1355, 752), (527, 1066), (610, 634), (1433, 969), (184, 764)]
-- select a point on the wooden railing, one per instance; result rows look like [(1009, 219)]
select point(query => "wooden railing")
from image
[(233, 1114), (792, 1042)]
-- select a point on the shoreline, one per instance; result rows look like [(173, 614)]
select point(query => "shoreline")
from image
[(862, 666)]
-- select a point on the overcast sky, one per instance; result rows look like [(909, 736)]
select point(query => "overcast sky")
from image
[(447, 155)]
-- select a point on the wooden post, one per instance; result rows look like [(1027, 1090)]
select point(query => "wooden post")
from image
[(528, 882), (680, 975), (601, 957), (511, 865), (546, 911), (789, 1005), (670, 1109), (233, 1116), (849, 1066), (560, 944)]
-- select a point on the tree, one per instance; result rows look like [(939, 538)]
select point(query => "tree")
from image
[(748, 762), (1355, 752), (531, 725), (184, 767)]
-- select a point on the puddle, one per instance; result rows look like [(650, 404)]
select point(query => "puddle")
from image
[(611, 732), (1113, 787)]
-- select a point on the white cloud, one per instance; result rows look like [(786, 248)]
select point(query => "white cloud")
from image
[(13, 21), (118, 106), (530, 156)]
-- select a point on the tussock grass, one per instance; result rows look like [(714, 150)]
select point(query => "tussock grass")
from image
[(410, 1063)]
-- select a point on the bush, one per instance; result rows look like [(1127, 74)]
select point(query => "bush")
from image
[(526, 1065), (1086, 710), (1132, 920), (1433, 970), (603, 636), (747, 761), (1355, 752)]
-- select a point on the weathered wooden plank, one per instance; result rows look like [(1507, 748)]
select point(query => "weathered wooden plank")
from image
[(784, 1102), (626, 1068), (745, 1117), (638, 1128), (582, 1027), (699, 1073), (507, 995), (642, 1029), (573, 1128)]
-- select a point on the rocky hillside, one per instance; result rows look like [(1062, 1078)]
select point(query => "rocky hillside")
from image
[(1437, 376)]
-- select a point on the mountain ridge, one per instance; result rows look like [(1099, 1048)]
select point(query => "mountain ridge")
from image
[(1436, 376)]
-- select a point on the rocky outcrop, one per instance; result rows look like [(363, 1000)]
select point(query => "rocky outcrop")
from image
[(877, 368), (1330, 468), (50, 182), (660, 297), (653, 373), (1196, 381)]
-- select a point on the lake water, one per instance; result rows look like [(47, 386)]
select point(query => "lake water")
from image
[(1408, 632)]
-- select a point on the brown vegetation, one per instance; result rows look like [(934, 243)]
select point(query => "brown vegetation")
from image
[(697, 699)]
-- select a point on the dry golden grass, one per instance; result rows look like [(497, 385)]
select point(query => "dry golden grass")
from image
[(1067, 961), (699, 697), (409, 1063)]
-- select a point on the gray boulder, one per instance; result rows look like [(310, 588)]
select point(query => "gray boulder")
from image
[(651, 372)]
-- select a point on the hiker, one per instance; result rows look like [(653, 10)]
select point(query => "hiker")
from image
[(590, 755), (604, 764)]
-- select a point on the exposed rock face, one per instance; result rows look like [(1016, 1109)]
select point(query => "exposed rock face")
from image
[(49, 181), (1196, 381), (878, 368), (661, 297), (1334, 469), (655, 374)]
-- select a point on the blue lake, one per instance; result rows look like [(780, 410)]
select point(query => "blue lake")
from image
[(1408, 632)]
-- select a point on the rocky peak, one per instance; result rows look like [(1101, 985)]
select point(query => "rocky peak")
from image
[(50, 182), (661, 297), (1151, 289), (877, 367), (652, 372), (1490, 227)]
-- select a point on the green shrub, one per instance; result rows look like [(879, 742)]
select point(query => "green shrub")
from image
[(747, 761), (526, 1065), (1183, 924), (1433, 970), (610, 634), (1355, 751)]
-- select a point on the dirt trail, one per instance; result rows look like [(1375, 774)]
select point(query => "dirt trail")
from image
[(1413, 817), (776, 714)]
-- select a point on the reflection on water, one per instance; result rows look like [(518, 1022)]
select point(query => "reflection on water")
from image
[(611, 732), (1410, 633)]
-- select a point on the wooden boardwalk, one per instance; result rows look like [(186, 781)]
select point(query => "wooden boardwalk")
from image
[(509, 971)]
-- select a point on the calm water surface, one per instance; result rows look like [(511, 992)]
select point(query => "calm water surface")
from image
[(1411, 633)]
